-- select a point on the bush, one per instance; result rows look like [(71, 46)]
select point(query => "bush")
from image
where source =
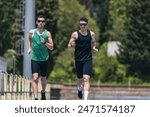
[(64, 70), (108, 69)]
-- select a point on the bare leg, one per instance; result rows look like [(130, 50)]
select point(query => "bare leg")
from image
[(80, 82), (35, 85), (43, 83), (86, 86)]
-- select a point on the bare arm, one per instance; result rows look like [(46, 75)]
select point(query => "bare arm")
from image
[(29, 41), (72, 40), (94, 42), (49, 43)]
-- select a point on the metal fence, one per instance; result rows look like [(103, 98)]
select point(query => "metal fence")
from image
[(14, 87)]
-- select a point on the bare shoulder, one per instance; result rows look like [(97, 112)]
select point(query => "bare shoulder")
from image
[(31, 31), (48, 33), (74, 34), (92, 33)]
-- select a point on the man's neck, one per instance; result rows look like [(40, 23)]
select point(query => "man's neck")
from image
[(83, 32), (40, 31)]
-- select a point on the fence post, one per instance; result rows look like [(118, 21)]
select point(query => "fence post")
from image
[(5, 86), (10, 86), (23, 86), (15, 86), (26, 88), (30, 90)]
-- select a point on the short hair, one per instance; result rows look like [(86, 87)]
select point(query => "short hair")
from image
[(41, 16), (84, 19)]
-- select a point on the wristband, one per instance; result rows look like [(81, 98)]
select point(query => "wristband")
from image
[(45, 42)]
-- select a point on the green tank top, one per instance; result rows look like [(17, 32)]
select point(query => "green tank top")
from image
[(39, 49)]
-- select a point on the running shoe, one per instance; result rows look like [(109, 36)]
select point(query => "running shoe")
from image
[(43, 97), (80, 95)]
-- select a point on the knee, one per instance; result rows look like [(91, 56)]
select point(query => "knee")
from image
[(35, 79), (86, 79), (43, 79)]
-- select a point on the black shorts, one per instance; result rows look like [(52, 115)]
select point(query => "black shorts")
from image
[(83, 67), (39, 67)]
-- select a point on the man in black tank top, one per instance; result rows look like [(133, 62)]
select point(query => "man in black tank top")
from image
[(84, 42)]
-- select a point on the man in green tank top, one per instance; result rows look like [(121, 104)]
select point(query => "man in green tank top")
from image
[(39, 41)]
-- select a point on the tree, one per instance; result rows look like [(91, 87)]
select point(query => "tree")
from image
[(135, 50), (7, 25), (117, 20), (64, 70), (10, 56), (107, 69)]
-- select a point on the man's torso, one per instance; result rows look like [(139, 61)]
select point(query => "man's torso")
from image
[(83, 47), (39, 49)]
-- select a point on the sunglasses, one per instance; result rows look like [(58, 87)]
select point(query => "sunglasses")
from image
[(41, 21), (83, 24)]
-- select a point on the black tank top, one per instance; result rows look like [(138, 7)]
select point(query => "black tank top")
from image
[(83, 47)]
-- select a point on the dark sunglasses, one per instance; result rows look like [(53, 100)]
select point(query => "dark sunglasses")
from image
[(41, 21), (83, 24)]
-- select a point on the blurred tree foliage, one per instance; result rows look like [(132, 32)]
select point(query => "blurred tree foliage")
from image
[(7, 25), (117, 21), (107, 69), (135, 50), (10, 55), (64, 70)]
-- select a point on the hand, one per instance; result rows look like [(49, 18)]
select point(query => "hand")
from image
[(51, 48), (95, 49), (73, 44), (69, 45), (43, 40), (29, 50)]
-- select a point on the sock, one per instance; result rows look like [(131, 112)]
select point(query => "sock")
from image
[(43, 91), (80, 88), (86, 93)]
